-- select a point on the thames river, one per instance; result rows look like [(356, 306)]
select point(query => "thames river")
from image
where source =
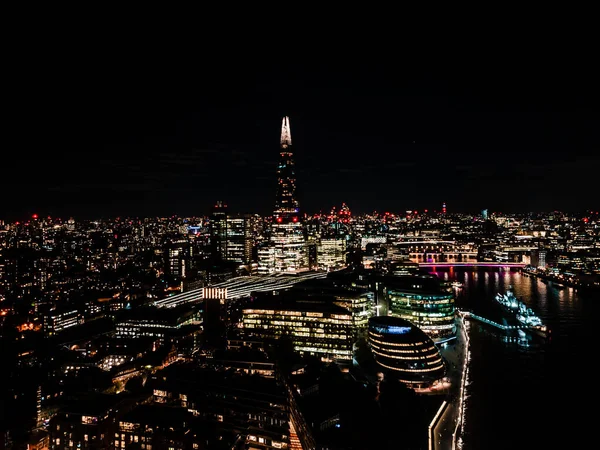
[(531, 394)]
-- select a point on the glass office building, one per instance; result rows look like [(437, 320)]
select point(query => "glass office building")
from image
[(431, 311)]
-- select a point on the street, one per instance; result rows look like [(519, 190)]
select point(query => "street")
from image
[(454, 355)]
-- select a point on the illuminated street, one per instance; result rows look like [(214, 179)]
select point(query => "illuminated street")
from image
[(454, 355)]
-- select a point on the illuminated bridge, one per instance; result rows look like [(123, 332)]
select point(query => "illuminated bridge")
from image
[(472, 264), (241, 287)]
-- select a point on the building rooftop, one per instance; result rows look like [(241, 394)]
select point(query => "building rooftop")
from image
[(159, 415), (327, 286), (294, 302), (170, 316), (184, 376), (92, 404), (420, 283)]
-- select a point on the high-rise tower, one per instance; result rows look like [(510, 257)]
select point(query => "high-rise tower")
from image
[(218, 231), (286, 251), (286, 204)]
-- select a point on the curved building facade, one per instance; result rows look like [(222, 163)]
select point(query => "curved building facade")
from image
[(432, 312), (401, 349)]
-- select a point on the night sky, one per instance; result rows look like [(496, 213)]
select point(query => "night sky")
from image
[(127, 135)]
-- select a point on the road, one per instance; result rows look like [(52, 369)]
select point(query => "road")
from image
[(454, 355)]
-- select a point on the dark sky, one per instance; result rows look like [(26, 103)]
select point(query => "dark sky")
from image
[(130, 133)]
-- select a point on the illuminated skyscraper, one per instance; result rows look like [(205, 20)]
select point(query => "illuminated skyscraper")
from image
[(286, 251), (218, 231), (177, 257), (239, 239), (286, 203)]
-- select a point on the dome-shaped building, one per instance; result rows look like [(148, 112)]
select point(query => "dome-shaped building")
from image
[(403, 350)]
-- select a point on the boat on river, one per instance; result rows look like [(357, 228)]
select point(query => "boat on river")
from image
[(519, 310)]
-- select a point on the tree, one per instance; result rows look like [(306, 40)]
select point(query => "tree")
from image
[(284, 353), (362, 352), (134, 385)]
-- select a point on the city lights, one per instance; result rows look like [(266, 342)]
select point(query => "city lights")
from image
[(293, 329)]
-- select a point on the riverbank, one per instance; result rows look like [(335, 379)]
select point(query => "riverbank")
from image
[(455, 355), (561, 281), (507, 381)]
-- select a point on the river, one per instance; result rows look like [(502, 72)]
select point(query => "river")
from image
[(538, 395)]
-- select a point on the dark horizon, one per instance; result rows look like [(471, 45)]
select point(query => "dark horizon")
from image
[(106, 144)]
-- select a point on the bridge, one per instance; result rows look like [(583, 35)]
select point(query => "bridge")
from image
[(473, 264)]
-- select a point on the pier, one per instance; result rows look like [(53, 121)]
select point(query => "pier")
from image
[(506, 328)]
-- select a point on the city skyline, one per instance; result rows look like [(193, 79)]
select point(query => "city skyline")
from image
[(372, 138), (173, 274)]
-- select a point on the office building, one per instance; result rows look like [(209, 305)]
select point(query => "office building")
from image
[(331, 254), (161, 324), (538, 258), (218, 231), (177, 256), (59, 320), (359, 302), (239, 240), (230, 236), (424, 304), (315, 327)]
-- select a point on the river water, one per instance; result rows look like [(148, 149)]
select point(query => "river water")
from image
[(538, 394)]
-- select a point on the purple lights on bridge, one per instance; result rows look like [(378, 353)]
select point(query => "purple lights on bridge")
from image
[(471, 264)]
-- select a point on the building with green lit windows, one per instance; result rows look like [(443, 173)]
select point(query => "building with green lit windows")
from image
[(430, 310)]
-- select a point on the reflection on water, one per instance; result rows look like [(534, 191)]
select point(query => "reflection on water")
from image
[(535, 395)]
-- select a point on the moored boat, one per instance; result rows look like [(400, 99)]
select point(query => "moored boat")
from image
[(525, 316)]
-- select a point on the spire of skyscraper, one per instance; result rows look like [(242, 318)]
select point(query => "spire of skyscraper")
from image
[(286, 133), (286, 202)]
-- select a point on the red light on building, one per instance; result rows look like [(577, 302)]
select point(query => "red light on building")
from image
[(425, 210), (295, 219), (279, 219), (35, 216)]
